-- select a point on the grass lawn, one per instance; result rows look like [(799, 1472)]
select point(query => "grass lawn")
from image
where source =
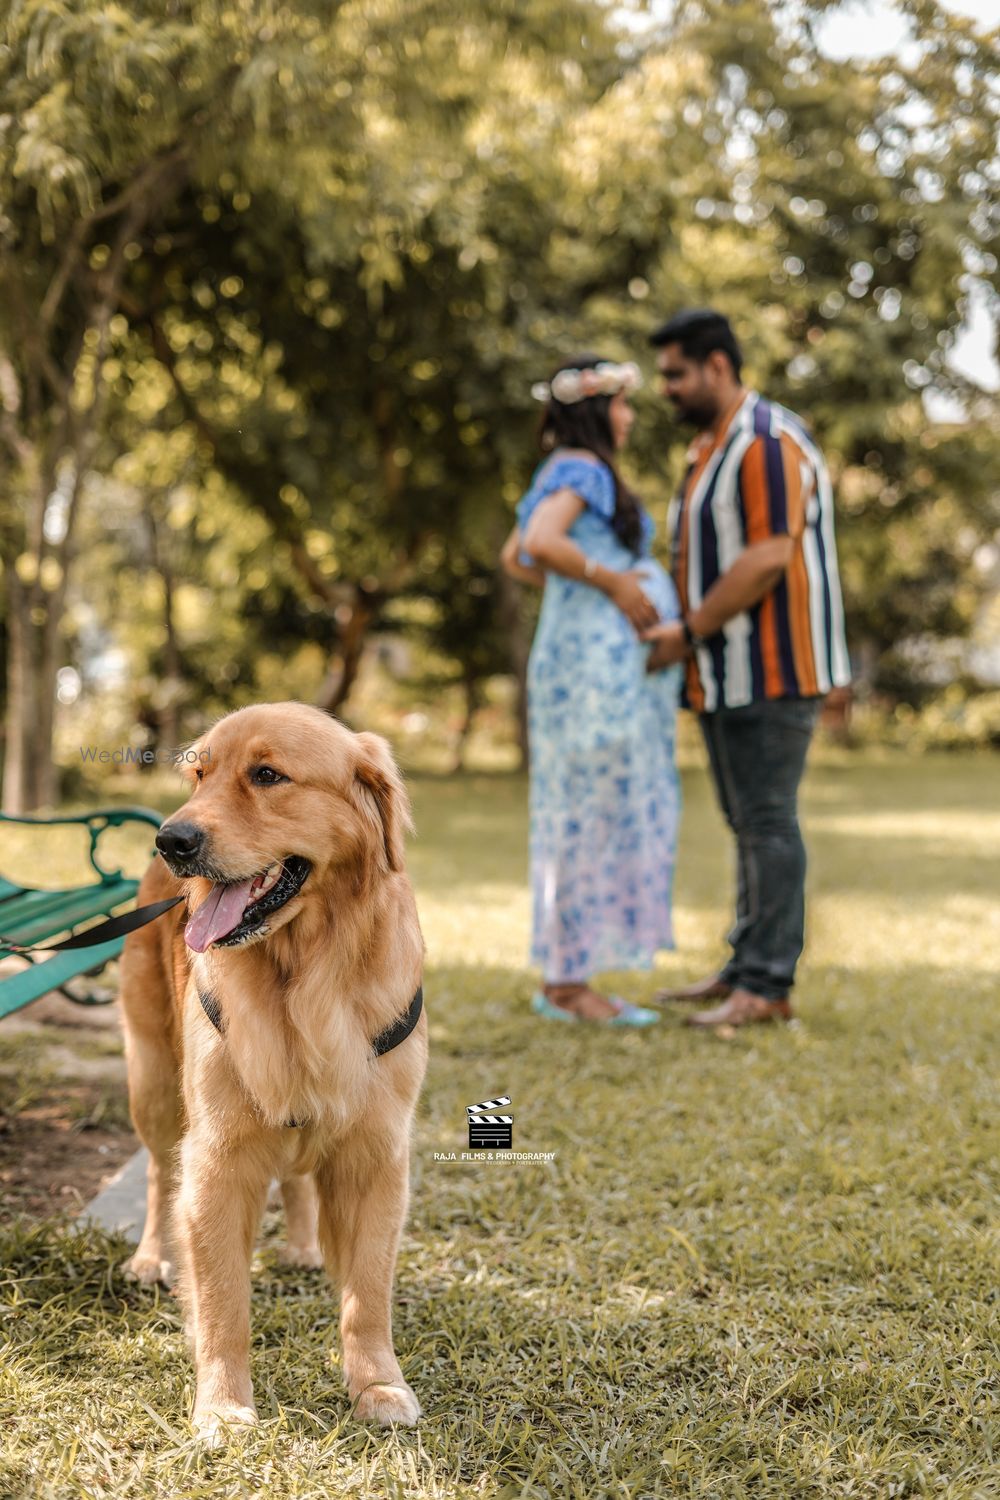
[(763, 1264)]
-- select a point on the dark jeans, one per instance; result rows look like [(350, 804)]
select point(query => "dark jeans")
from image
[(758, 754)]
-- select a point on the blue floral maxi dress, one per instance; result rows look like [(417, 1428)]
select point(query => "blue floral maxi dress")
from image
[(605, 796)]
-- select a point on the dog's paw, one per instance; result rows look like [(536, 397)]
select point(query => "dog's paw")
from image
[(387, 1404), (308, 1256), (150, 1270), (211, 1427)]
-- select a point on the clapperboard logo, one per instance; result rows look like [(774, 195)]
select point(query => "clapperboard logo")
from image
[(487, 1129)]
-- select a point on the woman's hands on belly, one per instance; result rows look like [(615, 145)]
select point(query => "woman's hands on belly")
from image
[(629, 595), (659, 587)]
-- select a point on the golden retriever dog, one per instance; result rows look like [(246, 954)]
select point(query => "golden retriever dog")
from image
[(269, 1026)]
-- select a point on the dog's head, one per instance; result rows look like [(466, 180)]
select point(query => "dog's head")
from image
[(282, 797)]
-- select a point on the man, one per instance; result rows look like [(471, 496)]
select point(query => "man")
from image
[(762, 633)]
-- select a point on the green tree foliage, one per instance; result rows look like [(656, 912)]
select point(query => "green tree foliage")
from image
[(857, 205), (276, 279)]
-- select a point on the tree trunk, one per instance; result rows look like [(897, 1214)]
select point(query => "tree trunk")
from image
[(18, 794), (30, 779), (53, 604), (45, 788), (31, 477), (167, 707), (354, 631), (170, 719), (470, 687)]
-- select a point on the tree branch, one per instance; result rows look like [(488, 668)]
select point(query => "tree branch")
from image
[(155, 171)]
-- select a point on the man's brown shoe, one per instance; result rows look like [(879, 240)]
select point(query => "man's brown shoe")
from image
[(714, 988), (742, 1009)]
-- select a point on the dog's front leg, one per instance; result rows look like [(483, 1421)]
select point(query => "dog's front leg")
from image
[(218, 1212), (154, 1097), (361, 1213)]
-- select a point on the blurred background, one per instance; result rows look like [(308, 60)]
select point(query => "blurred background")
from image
[(276, 280)]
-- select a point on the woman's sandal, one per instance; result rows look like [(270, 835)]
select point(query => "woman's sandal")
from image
[(626, 1014)]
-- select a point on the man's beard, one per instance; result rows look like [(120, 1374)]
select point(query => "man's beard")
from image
[(700, 417)]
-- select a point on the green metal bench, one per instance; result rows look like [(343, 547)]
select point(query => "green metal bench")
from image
[(30, 917)]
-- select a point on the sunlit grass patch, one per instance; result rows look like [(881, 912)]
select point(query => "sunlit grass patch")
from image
[(761, 1265)]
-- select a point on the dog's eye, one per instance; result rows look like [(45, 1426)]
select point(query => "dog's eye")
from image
[(266, 776)]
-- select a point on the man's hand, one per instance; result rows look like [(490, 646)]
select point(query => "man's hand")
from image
[(669, 645)]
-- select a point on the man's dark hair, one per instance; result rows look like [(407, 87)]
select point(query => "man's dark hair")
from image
[(700, 331)]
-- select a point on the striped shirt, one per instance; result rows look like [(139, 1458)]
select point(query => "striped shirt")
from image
[(759, 476)]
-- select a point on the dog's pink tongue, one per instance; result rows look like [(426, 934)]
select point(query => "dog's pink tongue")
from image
[(218, 914)]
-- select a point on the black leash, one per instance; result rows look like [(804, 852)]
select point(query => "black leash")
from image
[(114, 927)]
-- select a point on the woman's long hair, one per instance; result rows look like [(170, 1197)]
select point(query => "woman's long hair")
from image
[(586, 424)]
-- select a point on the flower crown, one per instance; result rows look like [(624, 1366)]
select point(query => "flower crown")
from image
[(605, 379)]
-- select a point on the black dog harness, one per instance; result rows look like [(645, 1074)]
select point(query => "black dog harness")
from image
[(388, 1038)]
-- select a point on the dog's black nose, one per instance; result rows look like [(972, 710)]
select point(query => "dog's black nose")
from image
[(180, 842)]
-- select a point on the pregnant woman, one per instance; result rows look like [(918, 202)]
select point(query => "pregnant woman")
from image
[(605, 796)]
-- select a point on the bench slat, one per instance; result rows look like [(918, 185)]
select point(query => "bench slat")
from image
[(36, 980), (29, 904), (37, 915), (29, 917)]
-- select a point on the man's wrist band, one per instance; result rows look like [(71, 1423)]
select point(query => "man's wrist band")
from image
[(694, 641), (590, 567)]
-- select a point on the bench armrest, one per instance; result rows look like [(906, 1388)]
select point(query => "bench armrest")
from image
[(96, 822)]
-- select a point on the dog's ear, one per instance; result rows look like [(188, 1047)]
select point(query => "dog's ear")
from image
[(382, 798)]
